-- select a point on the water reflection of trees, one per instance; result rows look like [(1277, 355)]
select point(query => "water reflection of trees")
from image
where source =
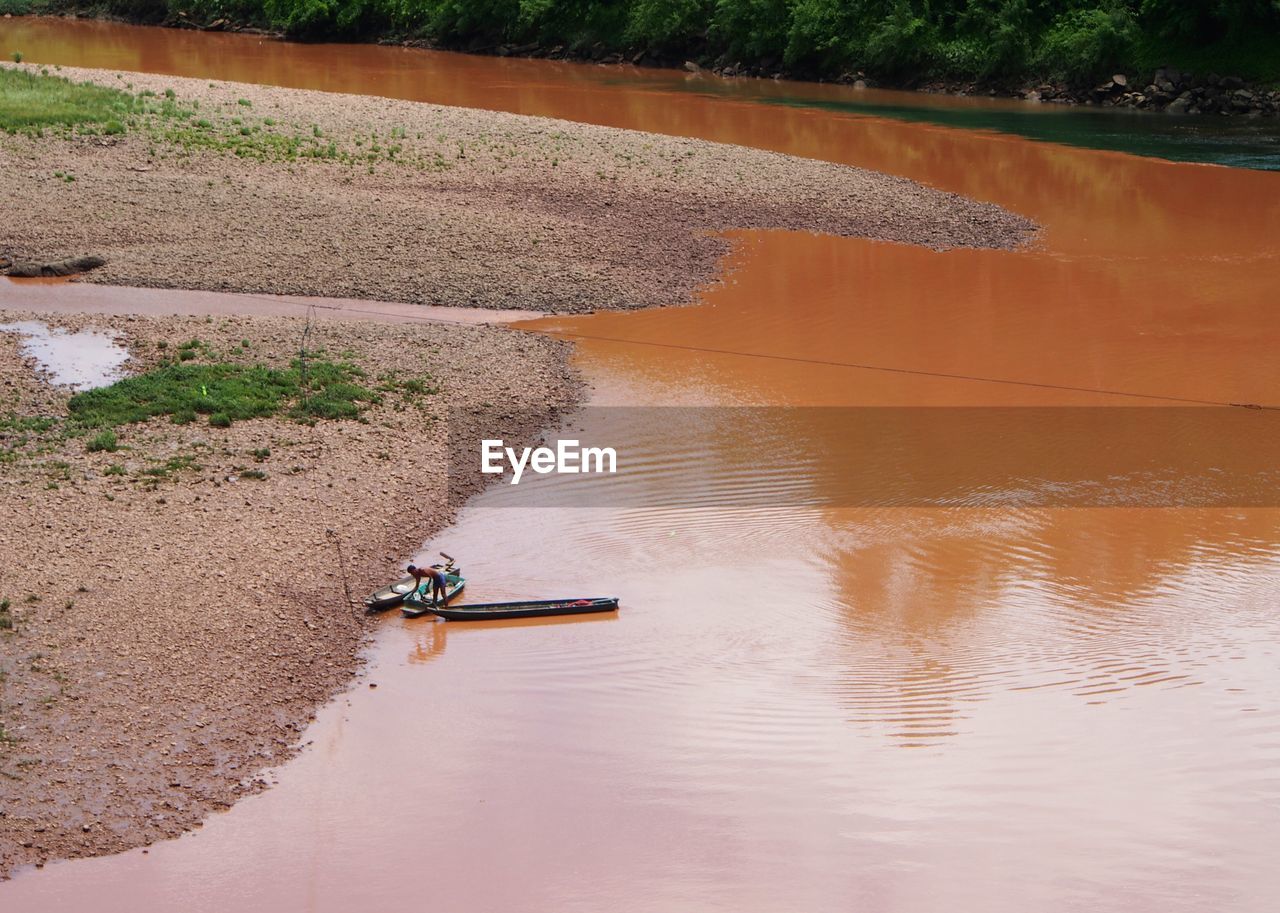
[(943, 608)]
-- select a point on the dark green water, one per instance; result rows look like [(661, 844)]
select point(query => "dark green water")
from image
[(1238, 142)]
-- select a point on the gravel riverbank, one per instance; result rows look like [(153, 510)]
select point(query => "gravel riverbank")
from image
[(176, 618), (310, 193)]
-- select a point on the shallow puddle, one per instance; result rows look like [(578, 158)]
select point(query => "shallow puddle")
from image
[(81, 360)]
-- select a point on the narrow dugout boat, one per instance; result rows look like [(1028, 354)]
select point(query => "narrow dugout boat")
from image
[(526, 609)]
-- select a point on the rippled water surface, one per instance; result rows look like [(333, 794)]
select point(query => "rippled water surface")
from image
[(804, 707)]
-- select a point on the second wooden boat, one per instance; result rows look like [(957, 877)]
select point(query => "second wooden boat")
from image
[(390, 595)]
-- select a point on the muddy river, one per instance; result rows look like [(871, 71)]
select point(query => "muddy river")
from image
[(808, 704)]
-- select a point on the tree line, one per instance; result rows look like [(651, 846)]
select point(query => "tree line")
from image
[(903, 40)]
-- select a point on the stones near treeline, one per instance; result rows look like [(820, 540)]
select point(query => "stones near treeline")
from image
[(1184, 93)]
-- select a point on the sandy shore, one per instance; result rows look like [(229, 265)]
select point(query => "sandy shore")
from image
[(316, 193), (184, 629)]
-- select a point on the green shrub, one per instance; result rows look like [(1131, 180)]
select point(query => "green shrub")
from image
[(751, 30), (103, 442), (903, 42), (665, 25), (1087, 44), (330, 18)]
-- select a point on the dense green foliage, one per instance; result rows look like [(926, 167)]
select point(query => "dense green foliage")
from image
[(31, 102), (1076, 40), (226, 393)]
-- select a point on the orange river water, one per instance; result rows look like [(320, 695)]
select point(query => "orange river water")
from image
[(806, 707)]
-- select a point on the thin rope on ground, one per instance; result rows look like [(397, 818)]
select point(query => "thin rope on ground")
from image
[(861, 366)]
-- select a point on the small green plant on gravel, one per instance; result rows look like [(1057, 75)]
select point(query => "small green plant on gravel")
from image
[(6, 618), (260, 453), (103, 442), (115, 469), (154, 475), (409, 386), (244, 102), (255, 474)]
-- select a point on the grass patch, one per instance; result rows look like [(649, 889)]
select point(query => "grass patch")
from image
[(30, 102), (103, 442), (227, 393)]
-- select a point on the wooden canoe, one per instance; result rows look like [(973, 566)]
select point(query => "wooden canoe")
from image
[(526, 609), (418, 602), (389, 596)]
